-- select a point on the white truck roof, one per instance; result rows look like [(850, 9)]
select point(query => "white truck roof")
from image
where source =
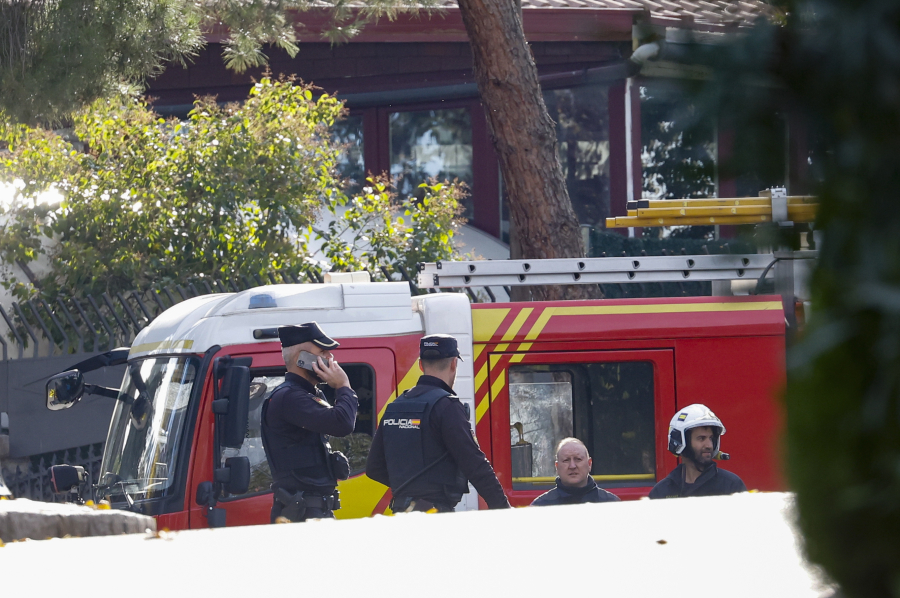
[(344, 310)]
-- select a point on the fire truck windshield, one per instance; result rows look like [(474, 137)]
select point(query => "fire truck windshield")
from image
[(146, 432)]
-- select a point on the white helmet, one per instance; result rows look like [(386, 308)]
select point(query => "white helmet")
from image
[(692, 416)]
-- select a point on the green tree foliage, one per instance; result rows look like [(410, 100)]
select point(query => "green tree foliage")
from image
[(375, 230), (239, 188), (837, 63), (59, 55)]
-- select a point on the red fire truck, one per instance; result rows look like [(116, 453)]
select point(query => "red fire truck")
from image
[(184, 442)]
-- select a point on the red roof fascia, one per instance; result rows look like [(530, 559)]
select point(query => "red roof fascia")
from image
[(541, 25)]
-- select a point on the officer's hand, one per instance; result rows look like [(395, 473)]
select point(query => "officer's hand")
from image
[(332, 374)]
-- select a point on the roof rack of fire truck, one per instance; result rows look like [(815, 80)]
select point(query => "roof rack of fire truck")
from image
[(602, 270)]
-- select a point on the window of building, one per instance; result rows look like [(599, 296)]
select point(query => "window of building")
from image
[(677, 160), (608, 406), (581, 115), (348, 134), (355, 446), (761, 148), (431, 143)]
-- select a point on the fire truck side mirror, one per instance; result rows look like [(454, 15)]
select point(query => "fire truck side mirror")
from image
[(64, 390), (235, 476), (236, 391)]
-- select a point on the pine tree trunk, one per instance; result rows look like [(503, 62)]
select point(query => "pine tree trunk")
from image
[(525, 139)]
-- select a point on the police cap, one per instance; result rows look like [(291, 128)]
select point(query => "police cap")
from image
[(438, 346), (305, 333)]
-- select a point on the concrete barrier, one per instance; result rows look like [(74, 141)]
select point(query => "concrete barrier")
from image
[(22, 518)]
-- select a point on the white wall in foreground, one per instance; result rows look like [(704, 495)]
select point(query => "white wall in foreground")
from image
[(734, 546)]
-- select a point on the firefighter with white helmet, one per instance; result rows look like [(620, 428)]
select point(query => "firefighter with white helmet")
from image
[(694, 435)]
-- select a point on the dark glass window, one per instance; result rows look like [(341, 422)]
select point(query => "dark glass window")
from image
[(608, 406), (431, 143), (677, 162), (348, 133), (581, 115), (355, 446), (764, 147)]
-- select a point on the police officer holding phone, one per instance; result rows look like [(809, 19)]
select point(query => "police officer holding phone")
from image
[(297, 420), (424, 448)]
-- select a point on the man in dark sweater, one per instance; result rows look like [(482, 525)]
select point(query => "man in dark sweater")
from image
[(574, 483), (424, 448), (694, 434)]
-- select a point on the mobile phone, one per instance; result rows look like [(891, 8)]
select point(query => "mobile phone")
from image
[(306, 360)]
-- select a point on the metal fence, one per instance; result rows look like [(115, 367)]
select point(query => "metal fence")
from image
[(66, 324), (47, 326), (33, 480)]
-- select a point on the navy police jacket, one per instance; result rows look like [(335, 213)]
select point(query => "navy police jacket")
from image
[(712, 482), (449, 431), (296, 423), (566, 495)]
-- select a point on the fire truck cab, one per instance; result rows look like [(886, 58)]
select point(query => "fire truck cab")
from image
[(184, 441)]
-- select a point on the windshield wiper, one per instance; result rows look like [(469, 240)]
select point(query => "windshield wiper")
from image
[(104, 490)]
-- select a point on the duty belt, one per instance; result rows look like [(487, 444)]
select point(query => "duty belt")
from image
[(301, 501)]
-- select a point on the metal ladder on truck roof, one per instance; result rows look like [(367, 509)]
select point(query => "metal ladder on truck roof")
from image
[(619, 270), (597, 270)]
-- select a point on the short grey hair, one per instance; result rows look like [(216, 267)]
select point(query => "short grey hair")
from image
[(571, 440), (290, 354)]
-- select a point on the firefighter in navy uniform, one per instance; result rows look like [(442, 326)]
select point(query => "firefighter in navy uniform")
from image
[(424, 447), (694, 434), (296, 422)]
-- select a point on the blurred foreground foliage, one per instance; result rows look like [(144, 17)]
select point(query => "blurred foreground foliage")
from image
[(127, 199), (834, 66)]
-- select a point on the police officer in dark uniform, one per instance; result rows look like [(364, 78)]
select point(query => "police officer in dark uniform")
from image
[(424, 448), (297, 420)]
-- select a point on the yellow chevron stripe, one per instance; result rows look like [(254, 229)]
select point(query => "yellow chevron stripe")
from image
[(479, 349), (539, 324), (481, 377), (498, 384), (496, 387), (482, 409), (517, 324), (667, 308), (486, 402), (485, 323), (409, 380), (163, 346), (366, 493)]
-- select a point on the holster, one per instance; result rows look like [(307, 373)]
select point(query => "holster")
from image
[(294, 506)]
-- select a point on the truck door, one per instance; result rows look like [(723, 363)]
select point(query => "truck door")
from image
[(617, 402), (371, 373)]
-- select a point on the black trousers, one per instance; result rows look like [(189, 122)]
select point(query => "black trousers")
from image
[(409, 505), (309, 513)]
